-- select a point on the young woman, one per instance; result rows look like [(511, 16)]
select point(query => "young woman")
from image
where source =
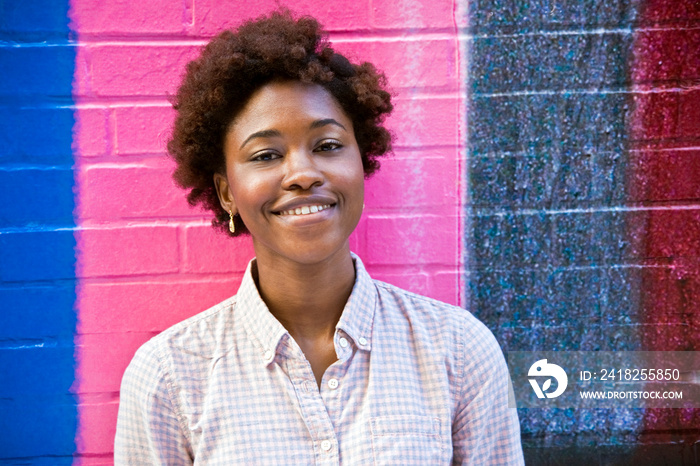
[(311, 361)]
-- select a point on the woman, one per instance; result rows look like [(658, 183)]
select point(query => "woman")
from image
[(312, 361)]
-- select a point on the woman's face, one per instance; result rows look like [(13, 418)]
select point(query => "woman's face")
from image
[(293, 173)]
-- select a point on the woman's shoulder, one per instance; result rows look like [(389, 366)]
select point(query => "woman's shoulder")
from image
[(441, 317), (431, 308), (200, 334)]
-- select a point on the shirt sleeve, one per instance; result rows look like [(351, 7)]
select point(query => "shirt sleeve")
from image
[(148, 426), (485, 430)]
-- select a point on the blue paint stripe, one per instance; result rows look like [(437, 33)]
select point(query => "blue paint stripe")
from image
[(38, 412)]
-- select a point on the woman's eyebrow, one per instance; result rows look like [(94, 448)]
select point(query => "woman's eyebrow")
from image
[(266, 133), (324, 122)]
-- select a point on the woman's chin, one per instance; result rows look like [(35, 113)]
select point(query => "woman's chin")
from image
[(303, 253)]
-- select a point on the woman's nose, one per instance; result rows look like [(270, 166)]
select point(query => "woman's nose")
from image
[(301, 171)]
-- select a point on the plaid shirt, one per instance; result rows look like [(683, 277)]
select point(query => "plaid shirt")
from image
[(416, 382)]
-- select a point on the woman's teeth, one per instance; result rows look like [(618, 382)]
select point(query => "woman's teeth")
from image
[(307, 209)]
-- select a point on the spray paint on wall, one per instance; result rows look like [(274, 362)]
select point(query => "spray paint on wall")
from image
[(664, 181), (584, 223), (37, 279)]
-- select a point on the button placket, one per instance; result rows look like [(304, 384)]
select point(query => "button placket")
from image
[(312, 407), (311, 400)]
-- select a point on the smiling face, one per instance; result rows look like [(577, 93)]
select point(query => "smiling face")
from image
[(293, 173)]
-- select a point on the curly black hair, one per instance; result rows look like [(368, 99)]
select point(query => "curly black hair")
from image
[(235, 64)]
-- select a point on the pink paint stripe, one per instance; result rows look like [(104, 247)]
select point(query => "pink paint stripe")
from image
[(146, 260)]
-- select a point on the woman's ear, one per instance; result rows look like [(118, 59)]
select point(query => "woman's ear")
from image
[(224, 193)]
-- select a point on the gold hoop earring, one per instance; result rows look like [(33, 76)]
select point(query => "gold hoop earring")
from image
[(231, 225)]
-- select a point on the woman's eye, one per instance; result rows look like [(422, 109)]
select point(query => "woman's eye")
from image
[(264, 156), (328, 146)]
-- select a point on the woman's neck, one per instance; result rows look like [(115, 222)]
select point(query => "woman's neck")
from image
[(307, 299)]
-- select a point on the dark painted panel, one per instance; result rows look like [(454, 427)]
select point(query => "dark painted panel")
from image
[(549, 125), (506, 64), (553, 243), (511, 16)]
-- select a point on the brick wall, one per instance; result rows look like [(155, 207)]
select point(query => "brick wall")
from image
[(583, 201), (664, 141), (146, 260), (37, 283), (572, 199)]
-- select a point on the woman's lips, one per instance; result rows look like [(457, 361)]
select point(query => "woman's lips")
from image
[(305, 210)]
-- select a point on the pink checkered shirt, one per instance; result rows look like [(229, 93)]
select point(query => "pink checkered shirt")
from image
[(416, 382)]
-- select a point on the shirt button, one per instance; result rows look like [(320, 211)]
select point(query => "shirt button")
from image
[(333, 384), (326, 445), (363, 341), (268, 355), (343, 342)]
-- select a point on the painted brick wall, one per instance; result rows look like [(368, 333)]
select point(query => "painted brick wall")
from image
[(579, 171), (38, 411), (664, 135), (146, 260), (583, 202)]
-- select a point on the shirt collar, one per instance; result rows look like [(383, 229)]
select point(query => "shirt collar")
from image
[(267, 333), (263, 329), (358, 316)]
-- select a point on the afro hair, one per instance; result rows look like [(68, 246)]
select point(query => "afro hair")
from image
[(235, 64)]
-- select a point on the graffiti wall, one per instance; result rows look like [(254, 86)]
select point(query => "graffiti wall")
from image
[(582, 209), (545, 176)]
